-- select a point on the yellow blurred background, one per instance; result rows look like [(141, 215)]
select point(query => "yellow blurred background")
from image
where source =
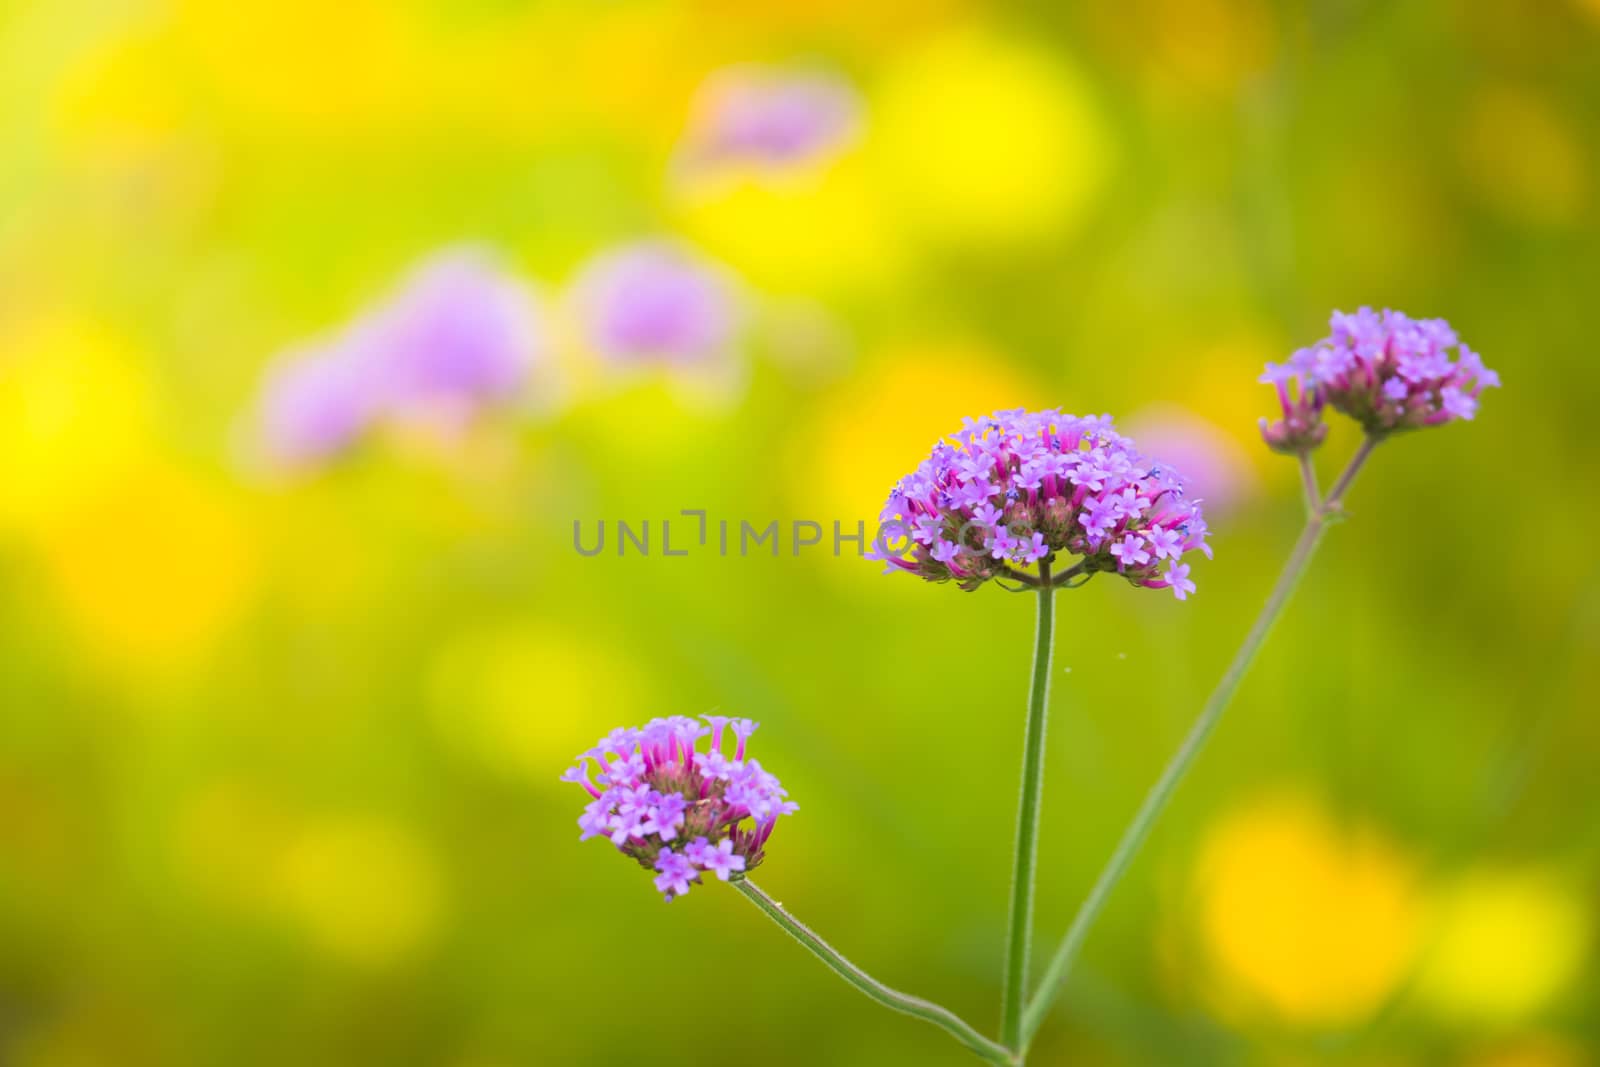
[(281, 717)]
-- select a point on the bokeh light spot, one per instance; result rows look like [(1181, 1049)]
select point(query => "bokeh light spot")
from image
[(74, 412), (983, 140), (1315, 921), (154, 568), (870, 434), (364, 889), (1523, 158), (1506, 943), (306, 66), (224, 834), (816, 229), (1538, 1050), (526, 698)]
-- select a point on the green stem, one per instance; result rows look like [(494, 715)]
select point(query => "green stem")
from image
[(1056, 974), (1308, 483), (889, 998), (1066, 576), (1019, 576), (1020, 933)]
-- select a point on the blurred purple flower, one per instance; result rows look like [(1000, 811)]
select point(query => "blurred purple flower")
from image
[(1215, 466), (1061, 484), (770, 117), (1386, 370), (654, 787), (459, 335), (314, 404), (653, 302)]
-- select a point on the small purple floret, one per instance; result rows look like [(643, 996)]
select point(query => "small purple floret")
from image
[(676, 873), (721, 860), (1177, 579)]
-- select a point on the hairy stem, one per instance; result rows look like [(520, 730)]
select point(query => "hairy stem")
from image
[(1156, 800), (941, 1017), (1020, 928)]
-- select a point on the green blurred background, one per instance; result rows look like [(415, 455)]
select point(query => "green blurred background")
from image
[(278, 755)]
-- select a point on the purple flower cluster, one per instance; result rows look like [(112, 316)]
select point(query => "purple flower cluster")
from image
[(677, 811), (1018, 487), (458, 336), (1386, 370)]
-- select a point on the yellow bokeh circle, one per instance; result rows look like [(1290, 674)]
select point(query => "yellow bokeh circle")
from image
[(984, 140), (1506, 943), (1314, 922)]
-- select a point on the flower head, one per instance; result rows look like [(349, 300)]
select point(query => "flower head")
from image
[(1301, 428), (1018, 487), (1386, 370), (676, 810)]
